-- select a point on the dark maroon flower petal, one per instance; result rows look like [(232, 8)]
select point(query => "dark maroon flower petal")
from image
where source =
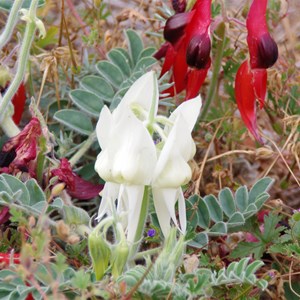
[(7, 157), (20, 151), (198, 51), (175, 27), (4, 215), (75, 185), (179, 5), (262, 48), (267, 52)]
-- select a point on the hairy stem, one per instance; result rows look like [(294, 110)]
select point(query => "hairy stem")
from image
[(220, 43), (10, 23), (22, 59)]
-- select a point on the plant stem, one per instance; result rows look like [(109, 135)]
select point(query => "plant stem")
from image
[(10, 23), (86, 146), (141, 223), (142, 254), (220, 43), (22, 59), (9, 127)]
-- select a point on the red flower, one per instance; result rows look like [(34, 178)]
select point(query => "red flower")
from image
[(251, 78), (76, 186), (187, 50), (19, 152), (18, 101)]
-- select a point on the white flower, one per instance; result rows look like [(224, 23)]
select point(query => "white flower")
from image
[(130, 160), (172, 169)]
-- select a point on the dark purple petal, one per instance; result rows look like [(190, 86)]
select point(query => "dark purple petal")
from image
[(198, 52), (7, 157), (179, 5), (267, 52), (151, 232), (4, 215), (75, 185), (175, 26)]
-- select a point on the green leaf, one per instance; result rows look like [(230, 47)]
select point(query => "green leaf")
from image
[(199, 241), (98, 86), (147, 52), (241, 266), (214, 208), (35, 192), (75, 120), (7, 4), (75, 216), (253, 267), (271, 231), (219, 228), (236, 219), (261, 199), (203, 214), (250, 211), (227, 202), (17, 185), (135, 45), (246, 248), (87, 101), (121, 61), (260, 187), (241, 198), (144, 64), (191, 210), (110, 72)]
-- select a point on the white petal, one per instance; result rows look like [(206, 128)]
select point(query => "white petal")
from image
[(109, 195), (189, 110), (164, 202), (104, 126), (172, 168), (143, 92), (135, 197), (130, 156)]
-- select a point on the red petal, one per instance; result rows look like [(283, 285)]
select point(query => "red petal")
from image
[(4, 215), (195, 79), (18, 101), (245, 98), (260, 85), (76, 186), (169, 60)]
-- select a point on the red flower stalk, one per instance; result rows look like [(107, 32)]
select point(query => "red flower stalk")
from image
[(19, 152), (75, 185), (251, 78), (187, 50)]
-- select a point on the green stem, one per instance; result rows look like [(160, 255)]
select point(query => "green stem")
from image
[(143, 254), (10, 23), (85, 147), (141, 223), (22, 59), (220, 44), (9, 127)]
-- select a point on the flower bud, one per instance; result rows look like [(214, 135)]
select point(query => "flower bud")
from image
[(99, 252), (174, 28), (267, 52), (198, 51), (119, 258), (179, 5)]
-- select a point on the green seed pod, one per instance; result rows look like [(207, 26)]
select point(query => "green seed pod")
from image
[(100, 253), (119, 258)]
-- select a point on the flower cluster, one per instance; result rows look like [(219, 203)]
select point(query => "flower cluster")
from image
[(187, 55), (251, 78), (187, 50), (142, 149)]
